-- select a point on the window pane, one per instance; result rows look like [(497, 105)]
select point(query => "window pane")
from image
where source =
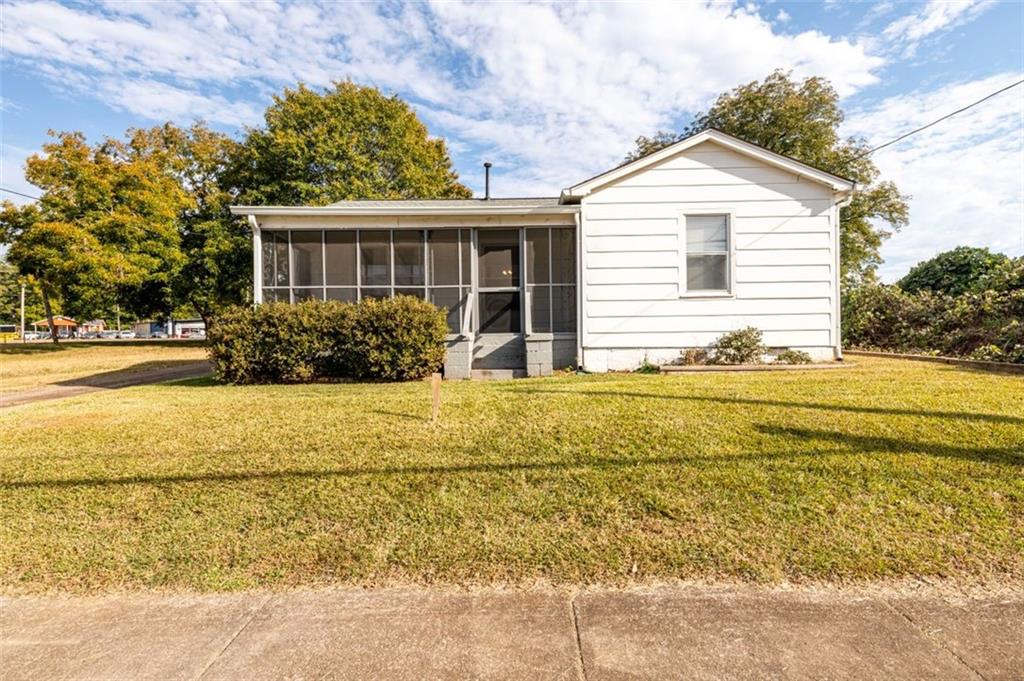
[(376, 293), (346, 295), (409, 258), (341, 257), (452, 300), (414, 292), (281, 259), (443, 252), (707, 273), (267, 240), (537, 269), (540, 309), (308, 294), (563, 310), (563, 256), (275, 295), (307, 258), (499, 312), (375, 257), (467, 265), (706, 233), (498, 257)]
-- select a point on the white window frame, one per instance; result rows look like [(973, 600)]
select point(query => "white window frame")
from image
[(730, 252)]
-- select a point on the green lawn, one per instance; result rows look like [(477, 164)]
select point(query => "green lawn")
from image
[(24, 366), (882, 471)]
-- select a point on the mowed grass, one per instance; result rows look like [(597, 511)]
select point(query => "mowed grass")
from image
[(882, 471), (24, 366)]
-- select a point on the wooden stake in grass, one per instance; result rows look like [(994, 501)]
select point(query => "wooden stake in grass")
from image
[(435, 389)]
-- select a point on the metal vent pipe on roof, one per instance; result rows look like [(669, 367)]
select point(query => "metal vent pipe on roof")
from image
[(487, 180)]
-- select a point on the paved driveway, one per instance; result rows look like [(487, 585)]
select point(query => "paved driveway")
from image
[(110, 380)]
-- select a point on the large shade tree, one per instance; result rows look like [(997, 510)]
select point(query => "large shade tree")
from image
[(346, 142), (216, 247), (104, 230), (801, 119)]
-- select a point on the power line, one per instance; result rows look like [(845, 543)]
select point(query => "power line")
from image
[(11, 191), (936, 121)]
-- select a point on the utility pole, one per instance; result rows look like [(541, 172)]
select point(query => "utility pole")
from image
[(23, 312)]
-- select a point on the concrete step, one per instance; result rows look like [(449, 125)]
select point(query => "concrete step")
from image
[(497, 374)]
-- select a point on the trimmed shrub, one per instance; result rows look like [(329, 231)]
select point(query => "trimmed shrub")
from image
[(395, 339), (744, 346), (272, 343), (791, 356)]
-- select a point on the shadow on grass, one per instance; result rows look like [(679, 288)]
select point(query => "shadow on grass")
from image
[(142, 372), (43, 347), (845, 443), (962, 415)]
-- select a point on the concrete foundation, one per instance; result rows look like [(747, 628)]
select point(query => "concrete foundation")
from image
[(458, 362)]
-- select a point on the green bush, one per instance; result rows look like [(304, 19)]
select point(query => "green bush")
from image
[(986, 321), (272, 343), (738, 347), (791, 356), (647, 367), (396, 339)]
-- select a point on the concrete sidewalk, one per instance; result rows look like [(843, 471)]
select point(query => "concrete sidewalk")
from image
[(680, 633)]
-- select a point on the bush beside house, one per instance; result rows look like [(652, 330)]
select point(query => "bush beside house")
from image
[(984, 322), (396, 339)]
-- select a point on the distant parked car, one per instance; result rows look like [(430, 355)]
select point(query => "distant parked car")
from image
[(108, 334), (158, 334), (32, 335), (88, 335), (126, 334)]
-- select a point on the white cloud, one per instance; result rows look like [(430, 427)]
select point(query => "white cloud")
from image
[(937, 16), (966, 174), (782, 17), (553, 92)]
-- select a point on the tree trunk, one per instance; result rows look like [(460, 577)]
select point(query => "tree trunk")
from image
[(49, 315)]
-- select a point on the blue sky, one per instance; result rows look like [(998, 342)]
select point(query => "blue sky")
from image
[(552, 93)]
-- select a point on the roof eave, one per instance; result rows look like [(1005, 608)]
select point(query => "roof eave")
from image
[(323, 211)]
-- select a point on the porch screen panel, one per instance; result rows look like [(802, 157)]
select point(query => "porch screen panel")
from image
[(551, 279), (275, 276), (447, 255), (409, 258), (307, 250), (375, 258)]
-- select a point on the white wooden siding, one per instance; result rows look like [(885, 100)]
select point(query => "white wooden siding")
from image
[(784, 244)]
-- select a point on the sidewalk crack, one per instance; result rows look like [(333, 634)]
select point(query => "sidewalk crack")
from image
[(238, 632), (934, 639), (579, 640)]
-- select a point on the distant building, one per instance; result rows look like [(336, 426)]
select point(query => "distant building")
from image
[(92, 326), (147, 328), (65, 325), (186, 328)]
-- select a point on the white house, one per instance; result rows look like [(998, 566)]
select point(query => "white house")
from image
[(664, 253)]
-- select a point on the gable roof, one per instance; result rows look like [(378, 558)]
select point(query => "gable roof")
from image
[(835, 182)]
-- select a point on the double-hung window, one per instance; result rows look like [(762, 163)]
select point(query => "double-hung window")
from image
[(707, 258)]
